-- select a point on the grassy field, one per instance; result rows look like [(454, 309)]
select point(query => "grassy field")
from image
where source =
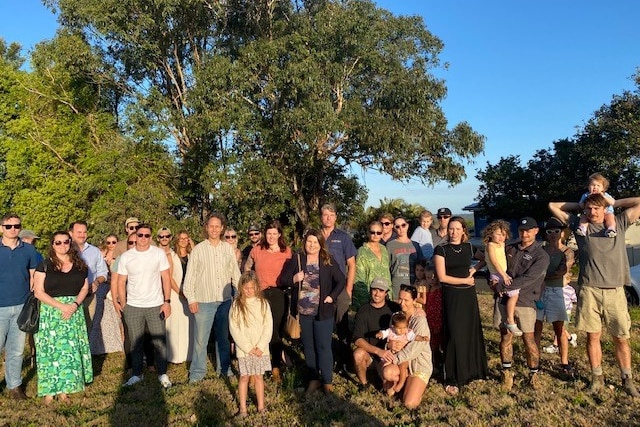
[(213, 401)]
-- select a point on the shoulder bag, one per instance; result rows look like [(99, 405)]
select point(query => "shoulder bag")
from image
[(29, 317)]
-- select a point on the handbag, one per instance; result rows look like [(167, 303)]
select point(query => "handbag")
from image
[(29, 317), (292, 325)]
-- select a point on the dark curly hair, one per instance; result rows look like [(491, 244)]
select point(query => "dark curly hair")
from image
[(74, 253)]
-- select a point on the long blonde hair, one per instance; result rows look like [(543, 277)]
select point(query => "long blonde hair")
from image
[(240, 302)]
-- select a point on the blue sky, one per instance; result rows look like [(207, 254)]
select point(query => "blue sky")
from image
[(522, 73)]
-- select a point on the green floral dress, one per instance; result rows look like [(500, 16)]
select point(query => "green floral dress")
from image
[(62, 346), (368, 267)]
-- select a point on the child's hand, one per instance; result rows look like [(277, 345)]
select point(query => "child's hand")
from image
[(379, 335), (506, 279)]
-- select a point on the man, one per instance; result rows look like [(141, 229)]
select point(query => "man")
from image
[(388, 233), (254, 239), (370, 319), (130, 227), (604, 270), (28, 236), (527, 264), (341, 247), (144, 290), (18, 262), (212, 275), (98, 270), (440, 235)]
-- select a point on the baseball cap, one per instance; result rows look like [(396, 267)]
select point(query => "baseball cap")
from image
[(444, 211), (527, 223), (253, 227), (166, 229), (380, 283), (130, 220), (554, 222), (29, 234)]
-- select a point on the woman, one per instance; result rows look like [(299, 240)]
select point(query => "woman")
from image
[(62, 345), (183, 246), (417, 352), (561, 260), (107, 247), (465, 358), (231, 237), (403, 255), (268, 259), (179, 326), (372, 262), (317, 282)]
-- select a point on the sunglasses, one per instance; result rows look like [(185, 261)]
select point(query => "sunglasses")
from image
[(166, 236), (444, 216), (231, 237), (377, 233), (111, 243), (10, 226), (62, 242), (145, 235), (399, 226), (254, 233), (131, 242), (133, 227), (386, 224), (553, 231)]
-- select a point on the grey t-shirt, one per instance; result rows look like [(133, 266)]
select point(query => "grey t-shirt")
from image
[(603, 260)]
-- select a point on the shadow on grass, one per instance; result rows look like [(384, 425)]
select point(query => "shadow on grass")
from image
[(210, 410), (140, 404)]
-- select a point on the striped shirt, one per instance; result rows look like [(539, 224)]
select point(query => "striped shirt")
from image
[(212, 273)]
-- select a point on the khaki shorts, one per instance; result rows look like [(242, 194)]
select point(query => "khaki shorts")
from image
[(598, 305), (525, 317)]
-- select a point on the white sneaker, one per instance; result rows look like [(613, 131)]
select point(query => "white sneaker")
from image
[(550, 349), (164, 380), (573, 340), (133, 380)]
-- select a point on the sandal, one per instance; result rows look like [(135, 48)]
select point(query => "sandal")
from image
[(451, 390)]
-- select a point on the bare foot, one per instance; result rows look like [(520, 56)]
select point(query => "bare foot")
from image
[(48, 400), (391, 391), (62, 397)]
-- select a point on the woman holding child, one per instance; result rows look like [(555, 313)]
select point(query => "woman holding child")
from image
[(465, 358)]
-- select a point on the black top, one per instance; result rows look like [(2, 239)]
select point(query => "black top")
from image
[(370, 320), (61, 284), (457, 259)]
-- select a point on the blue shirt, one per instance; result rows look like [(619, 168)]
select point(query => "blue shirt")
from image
[(341, 248), (97, 267), (15, 278)]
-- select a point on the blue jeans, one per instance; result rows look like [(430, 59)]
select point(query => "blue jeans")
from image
[(12, 341), (316, 345), (210, 314)]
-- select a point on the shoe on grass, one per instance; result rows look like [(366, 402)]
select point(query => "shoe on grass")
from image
[(573, 340), (630, 387), (597, 383), (550, 349), (133, 380), (534, 381), (507, 380), (165, 381)]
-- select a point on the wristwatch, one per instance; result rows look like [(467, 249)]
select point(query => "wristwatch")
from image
[(167, 301)]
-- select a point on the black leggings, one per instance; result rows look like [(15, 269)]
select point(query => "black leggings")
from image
[(277, 301)]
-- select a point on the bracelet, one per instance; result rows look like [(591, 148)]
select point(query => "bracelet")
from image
[(76, 303)]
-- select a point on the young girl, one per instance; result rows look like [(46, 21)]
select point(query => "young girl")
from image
[(494, 237), (598, 184), (430, 298), (251, 325)]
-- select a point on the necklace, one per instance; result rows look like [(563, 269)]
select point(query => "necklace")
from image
[(456, 251)]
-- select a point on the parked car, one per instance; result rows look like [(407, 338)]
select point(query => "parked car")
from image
[(632, 291)]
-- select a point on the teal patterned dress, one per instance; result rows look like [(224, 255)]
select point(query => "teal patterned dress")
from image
[(62, 346), (368, 267)]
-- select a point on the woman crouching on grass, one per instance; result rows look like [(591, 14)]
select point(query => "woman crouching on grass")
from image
[(417, 353), (251, 324)]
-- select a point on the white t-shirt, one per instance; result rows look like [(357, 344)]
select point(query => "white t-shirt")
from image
[(144, 285)]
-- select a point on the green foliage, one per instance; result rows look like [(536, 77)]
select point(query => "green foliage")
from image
[(396, 207), (609, 143)]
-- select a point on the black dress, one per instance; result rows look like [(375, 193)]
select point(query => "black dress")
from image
[(465, 358)]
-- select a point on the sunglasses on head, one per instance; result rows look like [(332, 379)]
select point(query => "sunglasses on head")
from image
[(10, 226), (61, 242), (377, 233), (166, 236), (386, 224), (145, 235), (401, 226), (553, 231)]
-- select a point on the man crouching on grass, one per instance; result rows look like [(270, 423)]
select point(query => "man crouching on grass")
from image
[(604, 270)]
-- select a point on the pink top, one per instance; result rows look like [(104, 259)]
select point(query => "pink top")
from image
[(268, 265)]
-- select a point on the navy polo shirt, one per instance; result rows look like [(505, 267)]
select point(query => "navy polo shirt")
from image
[(341, 248), (14, 272)]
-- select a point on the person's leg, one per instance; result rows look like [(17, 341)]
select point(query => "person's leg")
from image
[(537, 333), (12, 340), (276, 300), (308, 344), (594, 350), (361, 362), (610, 222), (413, 391), (135, 322), (404, 373), (322, 330), (390, 376), (223, 344), (259, 389), (203, 322), (563, 342), (243, 389), (158, 335)]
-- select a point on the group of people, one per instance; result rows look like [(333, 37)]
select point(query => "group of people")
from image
[(414, 299)]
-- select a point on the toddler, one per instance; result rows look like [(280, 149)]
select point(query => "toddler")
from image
[(598, 184)]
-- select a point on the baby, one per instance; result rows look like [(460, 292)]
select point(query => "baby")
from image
[(598, 184)]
